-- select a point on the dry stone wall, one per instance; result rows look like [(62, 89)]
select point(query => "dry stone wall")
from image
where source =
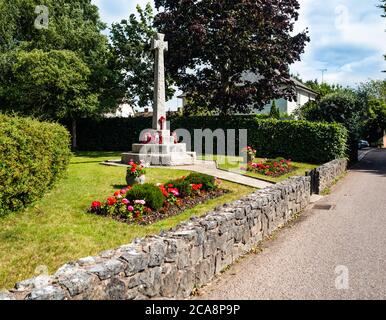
[(329, 172), (173, 263)]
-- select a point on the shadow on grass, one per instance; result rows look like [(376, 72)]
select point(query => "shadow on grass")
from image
[(83, 162), (119, 186), (97, 154)]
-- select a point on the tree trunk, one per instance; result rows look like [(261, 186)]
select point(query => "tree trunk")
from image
[(74, 142)]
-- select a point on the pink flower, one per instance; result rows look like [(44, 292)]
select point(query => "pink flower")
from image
[(125, 201), (174, 191), (123, 191), (130, 208), (142, 202)]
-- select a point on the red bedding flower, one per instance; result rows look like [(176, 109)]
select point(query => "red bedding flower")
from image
[(196, 187), (111, 201), (96, 205)]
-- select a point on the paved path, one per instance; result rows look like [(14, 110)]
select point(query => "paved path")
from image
[(210, 168), (301, 262)]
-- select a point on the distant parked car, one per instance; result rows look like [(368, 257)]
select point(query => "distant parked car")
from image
[(363, 144)]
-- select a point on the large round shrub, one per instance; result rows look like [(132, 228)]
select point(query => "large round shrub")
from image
[(33, 155), (148, 192)]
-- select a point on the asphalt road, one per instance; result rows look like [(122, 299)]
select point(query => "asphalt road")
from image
[(334, 254)]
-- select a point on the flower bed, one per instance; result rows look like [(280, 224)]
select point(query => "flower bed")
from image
[(271, 167), (148, 203)]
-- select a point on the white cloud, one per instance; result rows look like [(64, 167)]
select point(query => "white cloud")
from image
[(347, 38), (116, 10), (333, 25)]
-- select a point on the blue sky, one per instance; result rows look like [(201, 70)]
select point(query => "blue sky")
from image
[(347, 37)]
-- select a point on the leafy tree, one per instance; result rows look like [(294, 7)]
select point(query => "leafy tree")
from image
[(376, 124), (373, 95), (275, 112), (74, 27), (342, 107), (49, 85), (215, 45), (131, 47), (324, 88), (373, 89)]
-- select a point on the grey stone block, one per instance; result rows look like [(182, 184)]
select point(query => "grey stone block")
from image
[(47, 293), (34, 283), (108, 269), (77, 282), (136, 262)]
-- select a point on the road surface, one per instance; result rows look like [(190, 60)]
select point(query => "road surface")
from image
[(325, 254)]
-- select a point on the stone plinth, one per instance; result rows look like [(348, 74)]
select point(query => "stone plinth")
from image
[(160, 154)]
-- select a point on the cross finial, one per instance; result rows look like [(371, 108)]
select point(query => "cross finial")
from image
[(159, 43)]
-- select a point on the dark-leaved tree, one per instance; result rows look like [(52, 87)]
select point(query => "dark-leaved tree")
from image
[(231, 56)]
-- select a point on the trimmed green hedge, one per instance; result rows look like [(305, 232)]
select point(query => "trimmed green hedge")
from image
[(33, 155), (301, 141)]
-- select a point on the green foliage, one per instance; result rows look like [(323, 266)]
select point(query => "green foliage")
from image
[(73, 25), (376, 124), (131, 48), (275, 112), (110, 134), (66, 68), (183, 186), (56, 83), (343, 107), (324, 88), (33, 155), (208, 182), (148, 192), (301, 141), (372, 94)]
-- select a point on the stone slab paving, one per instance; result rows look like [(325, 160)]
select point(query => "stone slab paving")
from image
[(210, 168)]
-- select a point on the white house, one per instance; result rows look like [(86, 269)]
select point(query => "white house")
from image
[(124, 110), (303, 93)]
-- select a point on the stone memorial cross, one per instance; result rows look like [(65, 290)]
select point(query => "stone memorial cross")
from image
[(159, 114)]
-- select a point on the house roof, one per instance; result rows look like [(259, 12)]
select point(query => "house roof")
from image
[(301, 85)]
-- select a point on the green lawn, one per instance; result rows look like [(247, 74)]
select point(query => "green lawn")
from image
[(58, 229), (235, 164)]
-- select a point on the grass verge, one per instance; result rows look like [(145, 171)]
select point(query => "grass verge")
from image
[(57, 229)]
